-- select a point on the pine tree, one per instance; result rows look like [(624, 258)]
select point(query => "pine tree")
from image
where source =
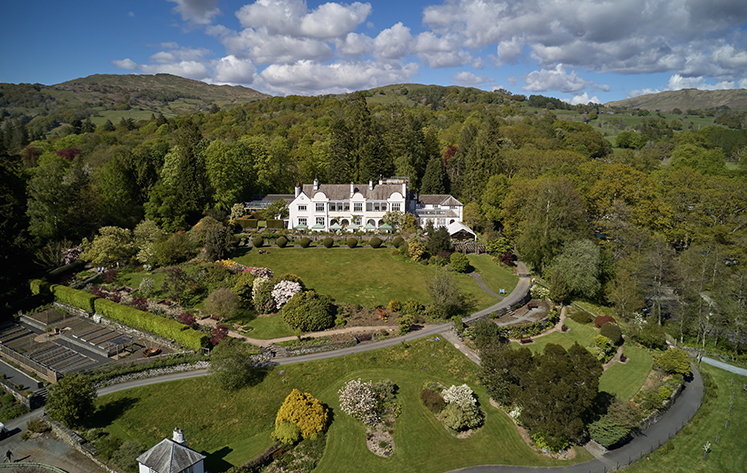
[(433, 180)]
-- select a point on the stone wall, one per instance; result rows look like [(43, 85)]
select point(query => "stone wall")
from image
[(80, 444)]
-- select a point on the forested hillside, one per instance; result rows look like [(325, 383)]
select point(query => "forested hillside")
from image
[(663, 214)]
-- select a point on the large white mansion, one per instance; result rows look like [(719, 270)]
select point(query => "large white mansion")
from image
[(332, 206)]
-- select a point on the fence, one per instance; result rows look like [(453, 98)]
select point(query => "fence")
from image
[(15, 465), (25, 362)]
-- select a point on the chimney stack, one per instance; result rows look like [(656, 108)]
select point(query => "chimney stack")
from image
[(298, 189), (380, 180), (316, 184), (370, 184), (179, 437), (352, 189)]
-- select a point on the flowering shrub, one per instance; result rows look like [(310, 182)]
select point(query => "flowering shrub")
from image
[(539, 292), (303, 410), (461, 395), (146, 286), (140, 303), (259, 282), (262, 295), (110, 275), (70, 255), (358, 400), (260, 272), (219, 333), (283, 291), (232, 265)]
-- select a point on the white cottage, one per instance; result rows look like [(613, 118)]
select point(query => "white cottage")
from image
[(171, 456)]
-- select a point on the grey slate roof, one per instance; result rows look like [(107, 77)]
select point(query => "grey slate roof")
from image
[(438, 199), (342, 191), (169, 457)]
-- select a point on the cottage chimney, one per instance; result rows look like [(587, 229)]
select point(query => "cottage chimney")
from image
[(380, 180), (404, 190), (298, 189), (352, 189), (370, 184), (316, 184), (179, 437)]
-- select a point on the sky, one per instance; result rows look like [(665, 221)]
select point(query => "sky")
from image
[(579, 51)]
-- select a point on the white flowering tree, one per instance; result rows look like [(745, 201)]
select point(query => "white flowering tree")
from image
[(359, 400), (258, 283), (283, 291), (461, 410), (460, 395)]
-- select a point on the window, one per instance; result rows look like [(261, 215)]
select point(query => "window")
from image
[(347, 207), (302, 220), (383, 206), (369, 206), (320, 207), (302, 208), (395, 207), (358, 220), (333, 206), (320, 220), (357, 207)]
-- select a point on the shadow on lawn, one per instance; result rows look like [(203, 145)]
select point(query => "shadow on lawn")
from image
[(215, 461), (109, 412)]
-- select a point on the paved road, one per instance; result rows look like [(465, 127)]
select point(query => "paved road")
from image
[(725, 366)]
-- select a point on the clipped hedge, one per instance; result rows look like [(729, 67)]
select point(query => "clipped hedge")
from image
[(352, 242), (281, 242), (397, 242), (248, 222), (304, 242), (274, 223), (258, 241), (375, 242), (73, 297), (38, 286), (166, 328), (328, 242)]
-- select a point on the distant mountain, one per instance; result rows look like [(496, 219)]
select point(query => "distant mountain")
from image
[(694, 99)]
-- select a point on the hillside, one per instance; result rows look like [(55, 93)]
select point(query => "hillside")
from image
[(693, 99)]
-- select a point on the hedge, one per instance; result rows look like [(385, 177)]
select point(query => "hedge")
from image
[(281, 242), (352, 242), (73, 297), (166, 328), (247, 222), (38, 286), (258, 241), (375, 242), (304, 242), (273, 223)]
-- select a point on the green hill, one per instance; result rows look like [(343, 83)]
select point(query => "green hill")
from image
[(685, 99)]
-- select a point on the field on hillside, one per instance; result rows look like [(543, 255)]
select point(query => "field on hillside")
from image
[(232, 428), (372, 277)]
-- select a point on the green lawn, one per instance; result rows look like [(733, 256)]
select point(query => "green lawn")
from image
[(727, 456), (583, 334), (232, 428), (492, 274), (625, 380), (371, 277), (272, 326)]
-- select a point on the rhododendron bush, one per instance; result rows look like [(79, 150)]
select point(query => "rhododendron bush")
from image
[(283, 291)]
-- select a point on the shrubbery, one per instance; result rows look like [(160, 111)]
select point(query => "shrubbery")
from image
[(432, 400), (303, 411), (375, 242), (281, 242), (258, 241), (613, 332), (581, 317), (674, 361), (328, 242), (73, 297), (460, 263), (308, 312), (397, 242), (605, 319), (304, 242), (352, 242)]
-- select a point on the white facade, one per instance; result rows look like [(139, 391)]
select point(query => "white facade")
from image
[(440, 209), (318, 207)]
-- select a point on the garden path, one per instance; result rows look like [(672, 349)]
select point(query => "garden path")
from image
[(725, 366), (482, 285)]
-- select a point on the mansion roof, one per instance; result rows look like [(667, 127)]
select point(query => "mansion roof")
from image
[(342, 191)]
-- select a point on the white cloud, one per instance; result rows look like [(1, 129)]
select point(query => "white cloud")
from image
[(467, 78), (183, 54), (190, 69), (232, 70), (128, 64), (264, 48), (441, 51), (314, 78), (582, 99), (354, 44), (393, 43), (292, 18), (557, 79), (677, 82), (200, 12)]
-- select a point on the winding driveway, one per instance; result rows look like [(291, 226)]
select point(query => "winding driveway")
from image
[(671, 422)]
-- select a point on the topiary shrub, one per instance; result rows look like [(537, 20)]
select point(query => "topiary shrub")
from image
[(397, 242), (304, 242), (281, 242), (258, 241), (582, 317), (328, 242), (375, 242), (352, 242), (613, 332), (599, 321)]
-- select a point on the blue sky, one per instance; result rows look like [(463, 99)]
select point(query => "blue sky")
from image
[(576, 50)]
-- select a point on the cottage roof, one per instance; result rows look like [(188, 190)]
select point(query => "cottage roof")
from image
[(169, 457), (457, 228), (438, 199), (342, 191)]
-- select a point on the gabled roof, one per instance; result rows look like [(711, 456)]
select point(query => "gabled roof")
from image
[(342, 191), (458, 227), (169, 457), (438, 199)]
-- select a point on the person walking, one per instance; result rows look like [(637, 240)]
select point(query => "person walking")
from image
[(8, 457)]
